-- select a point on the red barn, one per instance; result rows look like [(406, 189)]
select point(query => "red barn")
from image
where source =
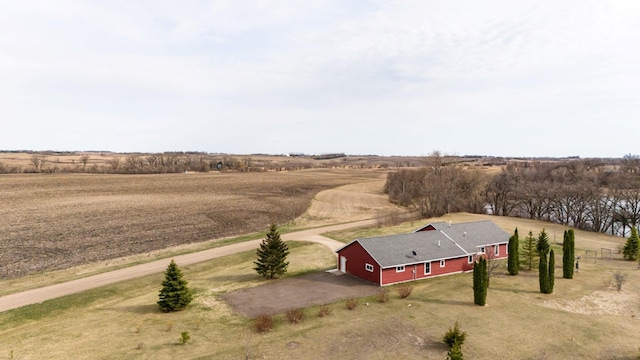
[(433, 250)]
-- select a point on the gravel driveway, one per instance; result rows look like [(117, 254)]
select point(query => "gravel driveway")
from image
[(277, 296)]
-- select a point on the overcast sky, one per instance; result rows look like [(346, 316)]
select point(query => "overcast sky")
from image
[(504, 78)]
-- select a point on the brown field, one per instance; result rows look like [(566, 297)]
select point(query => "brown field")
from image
[(56, 221)]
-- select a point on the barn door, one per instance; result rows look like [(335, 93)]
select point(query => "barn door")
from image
[(343, 264)]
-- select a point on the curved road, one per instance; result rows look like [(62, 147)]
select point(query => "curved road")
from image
[(34, 296)]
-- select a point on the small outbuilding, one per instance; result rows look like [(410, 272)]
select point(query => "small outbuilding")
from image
[(435, 249)]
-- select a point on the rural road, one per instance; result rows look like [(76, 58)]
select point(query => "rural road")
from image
[(34, 296)]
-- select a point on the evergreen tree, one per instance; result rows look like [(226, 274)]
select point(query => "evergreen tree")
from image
[(513, 262), (455, 352), (630, 249), (543, 274), (552, 269), (480, 282), (542, 246), (543, 269), (272, 255), (568, 254), (175, 295), (529, 252)]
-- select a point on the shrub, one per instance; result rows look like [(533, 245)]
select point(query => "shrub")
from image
[(295, 316), (264, 323), (383, 296), (454, 336), (404, 290), (184, 338), (324, 310), (352, 303), (619, 278)]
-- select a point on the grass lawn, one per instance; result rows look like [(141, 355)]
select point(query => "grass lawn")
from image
[(585, 318)]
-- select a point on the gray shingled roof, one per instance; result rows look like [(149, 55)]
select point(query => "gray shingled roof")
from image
[(471, 235), (448, 241)]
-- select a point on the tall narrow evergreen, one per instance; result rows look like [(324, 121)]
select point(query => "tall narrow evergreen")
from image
[(480, 282), (568, 254), (272, 255), (513, 262), (552, 268), (543, 268), (175, 295)]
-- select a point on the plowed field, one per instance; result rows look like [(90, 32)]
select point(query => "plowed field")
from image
[(57, 221)]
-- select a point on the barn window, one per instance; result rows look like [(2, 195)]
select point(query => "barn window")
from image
[(369, 267), (482, 250), (427, 268), (470, 259), (441, 263), (400, 268), (496, 250)]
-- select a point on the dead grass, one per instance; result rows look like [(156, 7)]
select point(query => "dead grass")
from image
[(62, 220), (98, 324)]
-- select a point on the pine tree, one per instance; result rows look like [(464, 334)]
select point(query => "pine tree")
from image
[(568, 254), (630, 249), (529, 252), (513, 262), (272, 255), (175, 295), (552, 269), (480, 282)]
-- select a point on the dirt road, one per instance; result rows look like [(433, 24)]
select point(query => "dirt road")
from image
[(17, 300)]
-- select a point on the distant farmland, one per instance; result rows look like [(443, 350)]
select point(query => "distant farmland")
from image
[(56, 221)]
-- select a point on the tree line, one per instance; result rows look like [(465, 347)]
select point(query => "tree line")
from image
[(593, 195)]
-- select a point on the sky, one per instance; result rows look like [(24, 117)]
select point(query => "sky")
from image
[(497, 78)]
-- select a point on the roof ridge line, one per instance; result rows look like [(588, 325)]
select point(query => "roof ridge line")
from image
[(458, 245)]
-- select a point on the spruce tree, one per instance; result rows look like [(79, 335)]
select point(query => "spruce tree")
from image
[(630, 249), (542, 246), (552, 268), (480, 282), (529, 252), (568, 254), (513, 262), (175, 295), (272, 255)]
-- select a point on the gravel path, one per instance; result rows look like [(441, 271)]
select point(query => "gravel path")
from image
[(17, 300)]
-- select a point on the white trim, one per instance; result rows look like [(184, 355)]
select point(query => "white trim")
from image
[(482, 249), (368, 267), (470, 259), (427, 264), (443, 263), (400, 268), (496, 250)]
